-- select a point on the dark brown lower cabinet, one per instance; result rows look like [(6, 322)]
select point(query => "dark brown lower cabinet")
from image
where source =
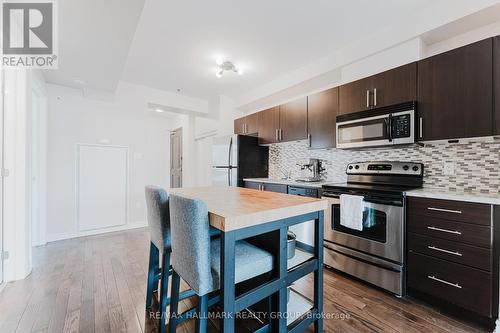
[(452, 255), (460, 285), (278, 188)]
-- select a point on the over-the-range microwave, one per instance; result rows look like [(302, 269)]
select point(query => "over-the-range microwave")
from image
[(391, 125)]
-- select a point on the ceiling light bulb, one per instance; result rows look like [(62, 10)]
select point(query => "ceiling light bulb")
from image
[(219, 61), (159, 110), (218, 73), (240, 71)]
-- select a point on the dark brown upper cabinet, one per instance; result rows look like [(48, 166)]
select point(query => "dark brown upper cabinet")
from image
[(496, 84), (252, 123), (239, 125), (293, 120), (321, 118), (269, 122), (455, 93), (394, 86), (247, 125)]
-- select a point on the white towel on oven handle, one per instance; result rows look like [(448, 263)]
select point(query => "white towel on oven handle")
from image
[(351, 211)]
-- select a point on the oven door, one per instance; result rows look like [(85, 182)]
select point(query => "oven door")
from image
[(366, 132), (383, 228)]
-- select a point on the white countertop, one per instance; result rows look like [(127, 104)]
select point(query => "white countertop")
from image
[(290, 182), (435, 193), (426, 192)]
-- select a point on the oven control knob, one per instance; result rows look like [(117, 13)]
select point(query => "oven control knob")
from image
[(415, 168), (350, 167), (405, 167), (356, 167)]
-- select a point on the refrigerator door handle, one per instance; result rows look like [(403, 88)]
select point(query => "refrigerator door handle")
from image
[(230, 152)]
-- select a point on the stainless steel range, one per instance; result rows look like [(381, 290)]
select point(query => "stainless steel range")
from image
[(373, 252)]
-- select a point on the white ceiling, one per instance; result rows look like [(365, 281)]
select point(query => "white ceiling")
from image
[(94, 40), (172, 45), (176, 42)]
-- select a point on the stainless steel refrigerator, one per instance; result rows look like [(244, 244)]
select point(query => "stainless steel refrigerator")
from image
[(235, 157)]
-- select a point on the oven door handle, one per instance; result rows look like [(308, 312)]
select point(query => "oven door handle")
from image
[(330, 196)]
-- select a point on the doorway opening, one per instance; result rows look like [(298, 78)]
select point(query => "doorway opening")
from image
[(176, 158)]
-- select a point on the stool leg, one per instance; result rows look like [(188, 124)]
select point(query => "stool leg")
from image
[(165, 269), (202, 312), (152, 271), (174, 302)]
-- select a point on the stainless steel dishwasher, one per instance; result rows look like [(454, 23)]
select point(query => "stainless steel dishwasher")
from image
[(304, 231)]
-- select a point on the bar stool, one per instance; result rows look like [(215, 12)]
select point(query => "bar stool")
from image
[(197, 258), (159, 228)]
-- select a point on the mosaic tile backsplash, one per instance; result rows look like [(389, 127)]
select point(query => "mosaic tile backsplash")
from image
[(476, 162)]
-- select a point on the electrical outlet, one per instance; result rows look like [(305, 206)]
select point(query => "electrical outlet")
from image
[(449, 168)]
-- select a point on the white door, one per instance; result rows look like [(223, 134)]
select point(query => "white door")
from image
[(102, 186), (176, 158)]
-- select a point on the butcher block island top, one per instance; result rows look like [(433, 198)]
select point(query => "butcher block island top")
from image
[(232, 208)]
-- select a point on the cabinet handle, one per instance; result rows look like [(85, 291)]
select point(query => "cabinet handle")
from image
[(276, 135), (445, 230), (263, 187), (445, 210), (309, 140), (456, 285), (421, 127), (430, 247), (243, 128), (368, 98), (375, 96), (281, 134)]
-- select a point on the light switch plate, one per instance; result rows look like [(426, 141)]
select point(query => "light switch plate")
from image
[(449, 168)]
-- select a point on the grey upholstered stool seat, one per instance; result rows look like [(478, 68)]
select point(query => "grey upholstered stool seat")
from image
[(196, 258), (251, 261)]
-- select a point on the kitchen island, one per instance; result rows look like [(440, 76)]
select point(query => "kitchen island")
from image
[(264, 217)]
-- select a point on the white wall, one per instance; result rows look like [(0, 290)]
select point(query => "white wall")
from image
[(220, 123), (123, 120), (17, 185)]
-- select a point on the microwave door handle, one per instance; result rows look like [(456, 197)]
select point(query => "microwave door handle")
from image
[(389, 127)]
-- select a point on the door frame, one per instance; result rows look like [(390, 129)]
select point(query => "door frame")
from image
[(38, 168), (174, 132), (2, 166)]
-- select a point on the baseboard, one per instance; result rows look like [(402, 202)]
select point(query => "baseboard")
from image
[(69, 235)]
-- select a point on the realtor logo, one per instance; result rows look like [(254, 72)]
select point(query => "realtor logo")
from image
[(29, 34)]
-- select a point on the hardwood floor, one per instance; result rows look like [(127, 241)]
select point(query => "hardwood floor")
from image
[(98, 284)]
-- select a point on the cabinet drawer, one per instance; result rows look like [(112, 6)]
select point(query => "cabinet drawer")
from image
[(460, 253), (451, 230), (451, 210), (466, 287), (279, 188), (252, 185)]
